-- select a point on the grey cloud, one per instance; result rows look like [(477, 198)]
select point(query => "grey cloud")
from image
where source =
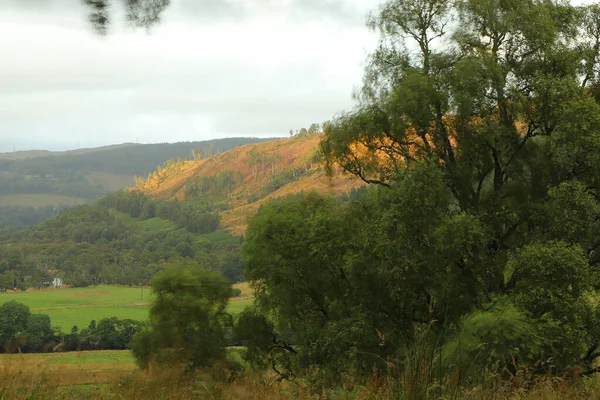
[(211, 69), (339, 10), (344, 11)]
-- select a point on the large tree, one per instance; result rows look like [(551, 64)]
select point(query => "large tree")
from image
[(479, 128), (187, 318)]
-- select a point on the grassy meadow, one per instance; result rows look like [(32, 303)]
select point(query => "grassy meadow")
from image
[(79, 306)]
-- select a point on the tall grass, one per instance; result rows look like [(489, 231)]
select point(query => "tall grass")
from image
[(173, 383), (420, 374)]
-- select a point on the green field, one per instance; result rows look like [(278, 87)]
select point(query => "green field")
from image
[(40, 200), (69, 307)]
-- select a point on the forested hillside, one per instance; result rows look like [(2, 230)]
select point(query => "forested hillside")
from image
[(187, 212), (35, 188), (467, 268), (239, 181)]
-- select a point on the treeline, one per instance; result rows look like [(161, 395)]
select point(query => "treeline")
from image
[(61, 182), (22, 331), (313, 129)]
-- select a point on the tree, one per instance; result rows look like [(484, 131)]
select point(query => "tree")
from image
[(484, 157), (187, 319), (295, 250), (39, 333), (314, 128), (116, 334), (13, 325)]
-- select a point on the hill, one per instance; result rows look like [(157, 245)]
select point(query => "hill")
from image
[(35, 185), (240, 180), (187, 211), (24, 154)]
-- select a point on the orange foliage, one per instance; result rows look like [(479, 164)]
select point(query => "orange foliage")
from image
[(254, 166)]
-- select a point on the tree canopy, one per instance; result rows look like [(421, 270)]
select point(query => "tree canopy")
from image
[(187, 319), (478, 126)]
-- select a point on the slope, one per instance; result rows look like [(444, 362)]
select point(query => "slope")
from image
[(33, 188), (242, 179)]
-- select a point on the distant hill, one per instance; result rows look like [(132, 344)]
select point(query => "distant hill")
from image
[(242, 179), (24, 154), (186, 211), (34, 185)]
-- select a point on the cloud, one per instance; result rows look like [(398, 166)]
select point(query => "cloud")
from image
[(247, 67)]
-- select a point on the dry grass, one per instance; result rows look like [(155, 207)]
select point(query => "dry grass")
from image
[(218, 383), (113, 375)]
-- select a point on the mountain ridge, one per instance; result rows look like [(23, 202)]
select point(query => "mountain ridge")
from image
[(35, 153)]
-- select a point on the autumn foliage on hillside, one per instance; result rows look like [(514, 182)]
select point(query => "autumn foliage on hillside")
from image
[(242, 179)]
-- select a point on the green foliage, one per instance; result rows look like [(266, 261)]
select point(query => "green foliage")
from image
[(13, 325), (94, 244), (39, 333), (497, 336), (485, 156), (192, 217), (20, 217), (264, 347), (187, 319)]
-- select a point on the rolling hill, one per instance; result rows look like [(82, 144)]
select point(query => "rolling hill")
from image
[(242, 179), (35, 185), (186, 212), (24, 154)]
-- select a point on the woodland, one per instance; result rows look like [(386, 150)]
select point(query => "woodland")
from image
[(470, 260)]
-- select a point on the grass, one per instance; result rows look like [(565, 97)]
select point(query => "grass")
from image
[(68, 307), (40, 200), (74, 381), (123, 359), (93, 296), (79, 306), (62, 375), (67, 318), (236, 306)]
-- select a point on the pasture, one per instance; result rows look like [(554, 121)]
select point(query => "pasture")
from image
[(79, 306)]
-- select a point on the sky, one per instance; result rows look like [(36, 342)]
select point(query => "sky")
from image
[(212, 68)]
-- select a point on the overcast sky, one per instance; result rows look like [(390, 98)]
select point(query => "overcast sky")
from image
[(213, 68)]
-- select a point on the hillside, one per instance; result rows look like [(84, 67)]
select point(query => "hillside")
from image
[(35, 185), (242, 179)]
